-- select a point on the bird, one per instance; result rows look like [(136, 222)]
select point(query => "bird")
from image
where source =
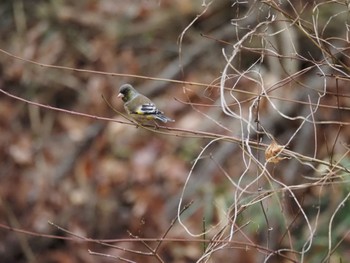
[(139, 107)]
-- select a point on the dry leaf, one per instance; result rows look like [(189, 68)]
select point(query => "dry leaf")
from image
[(272, 152)]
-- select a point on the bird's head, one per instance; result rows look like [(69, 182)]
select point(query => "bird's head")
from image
[(126, 92)]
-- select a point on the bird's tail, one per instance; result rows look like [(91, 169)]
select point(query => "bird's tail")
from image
[(163, 118)]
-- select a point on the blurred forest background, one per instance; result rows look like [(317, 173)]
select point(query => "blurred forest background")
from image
[(255, 168)]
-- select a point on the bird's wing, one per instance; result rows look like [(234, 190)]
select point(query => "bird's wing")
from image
[(148, 109)]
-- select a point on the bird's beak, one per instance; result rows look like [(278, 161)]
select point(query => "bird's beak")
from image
[(120, 95)]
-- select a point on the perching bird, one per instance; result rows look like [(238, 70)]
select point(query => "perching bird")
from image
[(139, 106)]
